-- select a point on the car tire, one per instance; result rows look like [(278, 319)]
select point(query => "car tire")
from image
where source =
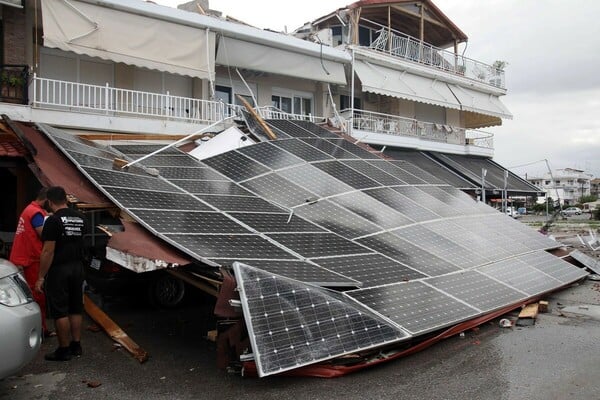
[(166, 291)]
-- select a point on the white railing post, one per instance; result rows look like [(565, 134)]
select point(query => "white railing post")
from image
[(106, 104), (34, 94), (168, 101)]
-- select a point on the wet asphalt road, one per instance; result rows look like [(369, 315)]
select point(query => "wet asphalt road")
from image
[(558, 358)]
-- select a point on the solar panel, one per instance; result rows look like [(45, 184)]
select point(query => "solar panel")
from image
[(372, 210), (418, 172), (427, 201), (347, 175), (370, 269), (303, 271), (211, 187), (181, 160), (476, 289), (313, 245), (439, 246), (373, 172), (553, 266), (229, 246), (302, 150), (396, 171), (414, 306), (314, 180), (520, 276), (289, 128), (336, 219), (270, 155), (236, 166), (402, 204), (354, 149), (291, 324), (328, 213), (201, 173), (593, 264), (147, 199), (276, 223), (239, 203), (279, 190), (315, 129), (402, 251), (189, 222), (126, 180), (329, 148), (143, 149)]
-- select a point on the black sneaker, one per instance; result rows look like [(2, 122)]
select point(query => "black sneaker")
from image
[(75, 348), (60, 354)]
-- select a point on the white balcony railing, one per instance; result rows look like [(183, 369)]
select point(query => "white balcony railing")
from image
[(399, 126), (409, 48), (73, 96), (271, 112)]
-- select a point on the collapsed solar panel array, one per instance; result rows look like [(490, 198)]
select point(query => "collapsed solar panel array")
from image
[(312, 211)]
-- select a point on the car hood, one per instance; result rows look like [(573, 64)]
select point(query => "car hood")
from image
[(7, 268)]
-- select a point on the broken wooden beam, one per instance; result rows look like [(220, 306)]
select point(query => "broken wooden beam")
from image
[(113, 330), (258, 118)]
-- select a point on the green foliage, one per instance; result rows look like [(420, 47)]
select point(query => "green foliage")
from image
[(588, 199)]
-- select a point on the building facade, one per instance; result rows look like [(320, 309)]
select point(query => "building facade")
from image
[(567, 185)]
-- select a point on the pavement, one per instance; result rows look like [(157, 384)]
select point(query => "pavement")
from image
[(557, 358)]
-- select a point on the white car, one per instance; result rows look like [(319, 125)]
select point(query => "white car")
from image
[(568, 212), (20, 321)]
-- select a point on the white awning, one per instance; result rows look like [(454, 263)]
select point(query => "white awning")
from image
[(12, 3), (389, 82), (481, 103), (128, 38), (258, 57)]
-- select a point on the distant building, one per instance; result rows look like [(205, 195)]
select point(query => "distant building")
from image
[(595, 187), (567, 184)]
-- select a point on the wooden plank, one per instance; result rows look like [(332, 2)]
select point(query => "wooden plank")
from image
[(113, 330), (258, 118), (529, 311)]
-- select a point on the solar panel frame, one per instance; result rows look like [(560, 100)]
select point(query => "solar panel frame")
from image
[(343, 328)]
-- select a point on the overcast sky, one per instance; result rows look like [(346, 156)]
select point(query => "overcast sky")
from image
[(553, 75)]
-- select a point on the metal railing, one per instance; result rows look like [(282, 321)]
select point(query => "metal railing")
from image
[(13, 83), (399, 126), (271, 112), (73, 96), (409, 48)]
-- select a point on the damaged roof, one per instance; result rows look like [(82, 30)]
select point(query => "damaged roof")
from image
[(407, 253)]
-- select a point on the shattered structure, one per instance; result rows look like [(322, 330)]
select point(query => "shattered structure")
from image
[(335, 250)]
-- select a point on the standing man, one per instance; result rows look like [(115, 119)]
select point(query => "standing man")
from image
[(27, 247), (61, 267)]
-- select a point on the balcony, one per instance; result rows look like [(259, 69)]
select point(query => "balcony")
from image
[(412, 49), (396, 126), (51, 94)]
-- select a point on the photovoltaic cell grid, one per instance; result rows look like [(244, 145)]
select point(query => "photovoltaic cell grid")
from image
[(321, 210), (292, 325)]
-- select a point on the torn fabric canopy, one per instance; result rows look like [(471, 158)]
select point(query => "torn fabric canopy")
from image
[(102, 32)]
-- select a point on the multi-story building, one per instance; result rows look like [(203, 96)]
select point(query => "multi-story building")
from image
[(379, 70), (567, 185)]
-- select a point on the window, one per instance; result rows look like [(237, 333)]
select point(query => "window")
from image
[(223, 93), (345, 103), (336, 34), (366, 36), (546, 183), (294, 103)]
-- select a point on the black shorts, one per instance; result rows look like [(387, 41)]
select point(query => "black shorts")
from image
[(64, 290)]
